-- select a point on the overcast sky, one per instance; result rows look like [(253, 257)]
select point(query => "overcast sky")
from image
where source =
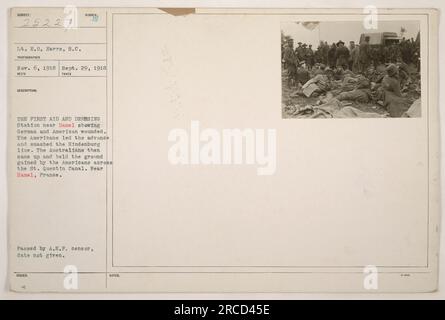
[(346, 31)]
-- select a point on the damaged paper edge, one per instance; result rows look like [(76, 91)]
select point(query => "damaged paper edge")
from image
[(178, 11)]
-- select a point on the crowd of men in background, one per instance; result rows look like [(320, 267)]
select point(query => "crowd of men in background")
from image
[(356, 57)]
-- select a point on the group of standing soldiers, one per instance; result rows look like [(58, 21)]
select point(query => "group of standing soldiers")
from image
[(357, 58)]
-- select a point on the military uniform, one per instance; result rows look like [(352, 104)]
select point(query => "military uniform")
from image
[(364, 56), (290, 64), (342, 54), (355, 59), (332, 56), (310, 57)]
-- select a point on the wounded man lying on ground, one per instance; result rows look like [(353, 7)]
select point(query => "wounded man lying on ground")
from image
[(330, 107), (355, 88), (359, 95), (319, 84)]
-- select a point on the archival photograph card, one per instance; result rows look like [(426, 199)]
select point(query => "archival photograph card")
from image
[(223, 150)]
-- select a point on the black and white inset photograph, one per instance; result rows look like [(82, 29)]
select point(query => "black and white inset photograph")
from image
[(340, 69)]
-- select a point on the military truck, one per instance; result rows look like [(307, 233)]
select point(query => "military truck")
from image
[(380, 38)]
